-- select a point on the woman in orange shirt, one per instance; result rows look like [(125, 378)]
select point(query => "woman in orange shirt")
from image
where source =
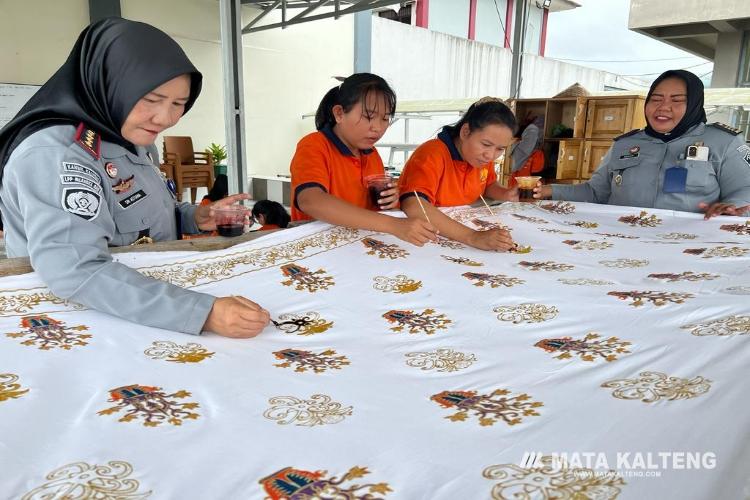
[(457, 168), (330, 166)]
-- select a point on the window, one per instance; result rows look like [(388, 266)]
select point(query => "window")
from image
[(743, 80)]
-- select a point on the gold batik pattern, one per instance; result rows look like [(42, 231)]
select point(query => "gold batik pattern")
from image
[(650, 387), (320, 409), (83, 481)]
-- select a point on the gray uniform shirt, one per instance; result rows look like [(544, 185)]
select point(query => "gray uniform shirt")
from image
[(63, 207), (632, 172)]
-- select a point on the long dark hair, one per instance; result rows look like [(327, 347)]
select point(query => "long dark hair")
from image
[(486, 111), (352, 90), (272, 211)]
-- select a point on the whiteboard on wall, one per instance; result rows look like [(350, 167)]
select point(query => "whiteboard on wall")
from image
[(12, 98)]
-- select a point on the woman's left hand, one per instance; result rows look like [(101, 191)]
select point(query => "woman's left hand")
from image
[(204, 214), (722, 209), (389, 198)]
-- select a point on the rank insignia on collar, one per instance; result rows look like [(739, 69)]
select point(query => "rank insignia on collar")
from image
[(89, 140), (123, 185), (111, 169)]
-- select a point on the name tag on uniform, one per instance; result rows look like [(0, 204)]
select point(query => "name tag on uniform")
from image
[(675, 180)]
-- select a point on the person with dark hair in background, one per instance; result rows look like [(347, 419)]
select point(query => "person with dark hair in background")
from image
[(526, 153), (678, 162), (219, 190), (457, 168), (330, 166), (270, 215), (79, 173)]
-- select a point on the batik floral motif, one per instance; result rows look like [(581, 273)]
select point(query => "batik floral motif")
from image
[(18, 303), (499, 405), (303, 279), (318, 410), (584, 281), (486, 226), (650, 387), (526, 313), (441, 360), (527, 218), (384, 250), (545, 266), (721, 251), (583, 224), (150, 404), (428, 321), (400, 284), (619, 235), (729, 325), (740, 229), (176, 353), (9, 387), (683, 276), (624, 263), (558, 207), (550, 480), (553, 230), (588, 348), (297, 484), (304, 360), (643, 219), (494, 280), (677, 236), (588, 244), (47, 333), (447, 243), (462, 260), (308, 323), (83, 481), (657, 298)]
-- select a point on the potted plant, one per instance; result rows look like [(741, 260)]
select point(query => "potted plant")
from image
[(219, 154)]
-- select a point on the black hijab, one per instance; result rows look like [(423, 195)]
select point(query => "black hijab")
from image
[(113, 64), (694, 113)]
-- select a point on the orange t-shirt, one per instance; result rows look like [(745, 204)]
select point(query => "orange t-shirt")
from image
[(323, 160), (438, 173)]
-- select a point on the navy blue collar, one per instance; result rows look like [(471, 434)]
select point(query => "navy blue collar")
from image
[(343, 149), (445, 136)]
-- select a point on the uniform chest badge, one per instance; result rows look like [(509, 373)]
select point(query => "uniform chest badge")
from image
[(483, 175), (618, 179), (111, 169), (123, 185), (634, 149)]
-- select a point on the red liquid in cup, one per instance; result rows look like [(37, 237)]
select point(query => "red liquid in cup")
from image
[(526, 194), (229, 229)]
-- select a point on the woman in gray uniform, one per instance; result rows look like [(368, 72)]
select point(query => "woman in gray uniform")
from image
[(79, 173), (677, 162)]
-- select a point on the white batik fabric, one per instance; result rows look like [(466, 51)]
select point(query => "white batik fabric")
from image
[(606, 358)]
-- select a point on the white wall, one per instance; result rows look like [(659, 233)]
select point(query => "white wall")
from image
[(36, 37), (533, 36), (490, 22), (421, 64), (449, 16)]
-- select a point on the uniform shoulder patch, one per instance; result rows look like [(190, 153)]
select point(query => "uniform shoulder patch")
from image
[(627, 134), (89, 140), (725, 128), (81, 201), (744, 152)]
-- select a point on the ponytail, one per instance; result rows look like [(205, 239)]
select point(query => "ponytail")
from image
[(352, 90), (486, 111)]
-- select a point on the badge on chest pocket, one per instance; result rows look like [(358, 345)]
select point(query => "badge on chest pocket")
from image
[(675, 180)]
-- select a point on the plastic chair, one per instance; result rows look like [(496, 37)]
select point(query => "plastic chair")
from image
[(192, 169)]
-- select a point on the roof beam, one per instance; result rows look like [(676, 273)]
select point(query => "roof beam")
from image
[(309, 7)]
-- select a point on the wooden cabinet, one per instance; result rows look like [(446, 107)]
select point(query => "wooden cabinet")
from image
[(578, 131), (593, 154), (607, 118), (569, 112), (569, 159)]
